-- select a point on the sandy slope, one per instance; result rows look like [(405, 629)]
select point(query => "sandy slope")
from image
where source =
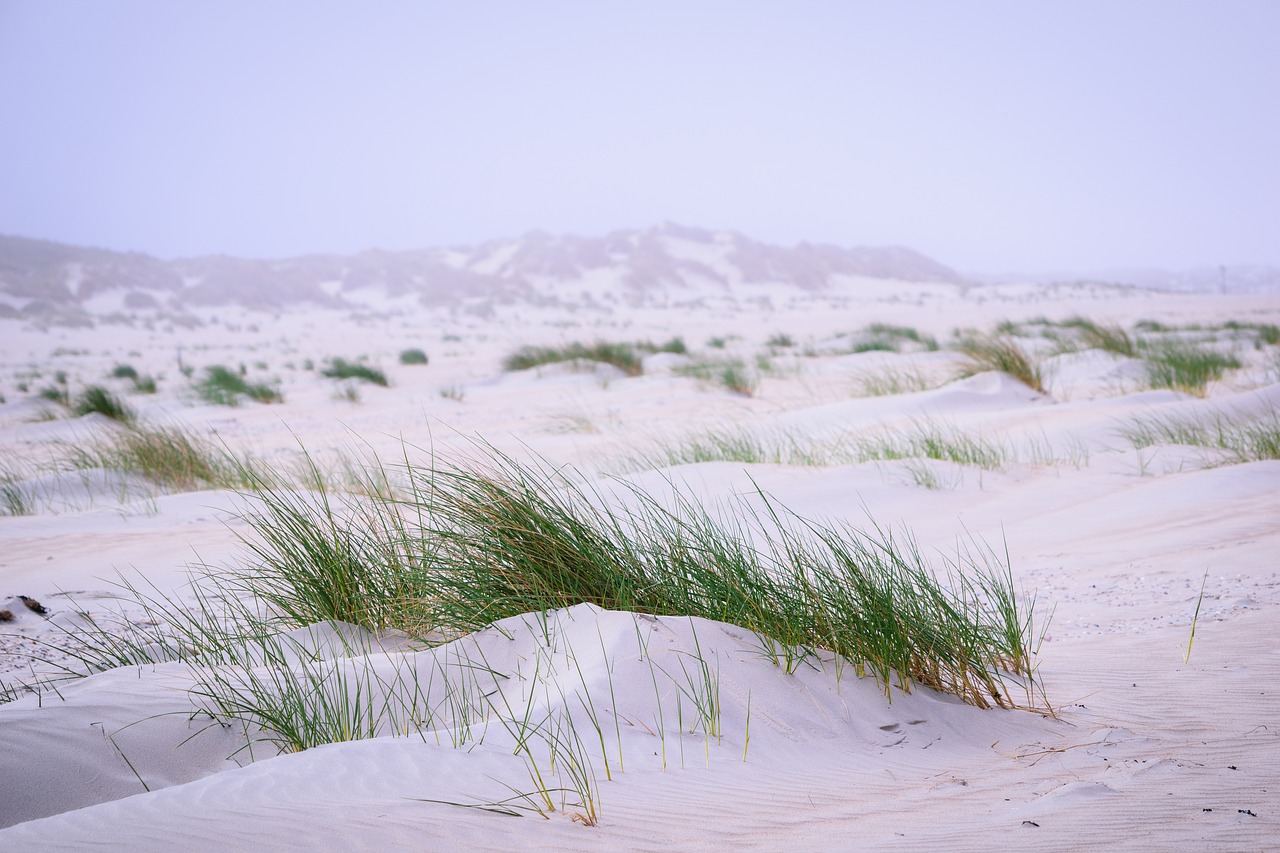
[(1147, 752)]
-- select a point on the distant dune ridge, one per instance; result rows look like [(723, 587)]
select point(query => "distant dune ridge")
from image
[(39, 278)]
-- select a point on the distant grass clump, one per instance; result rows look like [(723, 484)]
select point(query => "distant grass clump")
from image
[(169, 457), (224, 387), (627, 357), (884, 337), (95, 398), (56, 394), (732, 374), (340, 368), (729, 444), (124, 371), (892, 381), (413, 356), (1240, 438), (1182, 365), (1109, 337), (1001, 353), (929, 440), (781, 341)]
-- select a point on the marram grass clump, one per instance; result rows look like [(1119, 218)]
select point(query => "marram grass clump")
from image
[(462, 546), (1001, 353)]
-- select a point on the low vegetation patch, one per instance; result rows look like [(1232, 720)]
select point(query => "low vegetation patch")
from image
[(1239, 438), (463, 546), (891, 381), (929, 440), (223, 386), (1182, 365), (731, 374), (1001, 353), (884, 337), (95, 398), (627, 357), (170, 457), (1109, 337), (340, 368), (413, 356)]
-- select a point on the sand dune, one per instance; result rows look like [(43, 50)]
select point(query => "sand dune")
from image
[(1138, 747)]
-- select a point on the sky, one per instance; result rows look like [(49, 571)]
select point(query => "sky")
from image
[(992, 136)]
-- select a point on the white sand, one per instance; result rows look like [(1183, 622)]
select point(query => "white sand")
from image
[(1146, 752)]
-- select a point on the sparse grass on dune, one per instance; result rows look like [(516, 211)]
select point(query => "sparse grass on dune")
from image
[(167, 456), (889, 338), (223, 386), (1240, 438), (1109, 337), (340, 368), (923, 440), (1182, 365), (729, 444), (95, 398), (1001, 353), (413, 356), (464, 546), (627, 357), (731, 374), (928, 440), (890, 381)]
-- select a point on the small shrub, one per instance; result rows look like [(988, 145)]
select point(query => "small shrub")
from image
[(145, 385), (340, 368), (413, 356), (95, 398), (716, 343), (124, 371)]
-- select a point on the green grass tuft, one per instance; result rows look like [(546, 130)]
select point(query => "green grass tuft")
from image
[(1182, 365), (732, 374), (1240, 438), (169, 457), (413, 356), (1003, 354), (625, 357), (95, 398), (340, 368), (224, 387)]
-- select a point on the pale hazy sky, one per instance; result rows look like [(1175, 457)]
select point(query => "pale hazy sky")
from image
[(1028, 136)]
